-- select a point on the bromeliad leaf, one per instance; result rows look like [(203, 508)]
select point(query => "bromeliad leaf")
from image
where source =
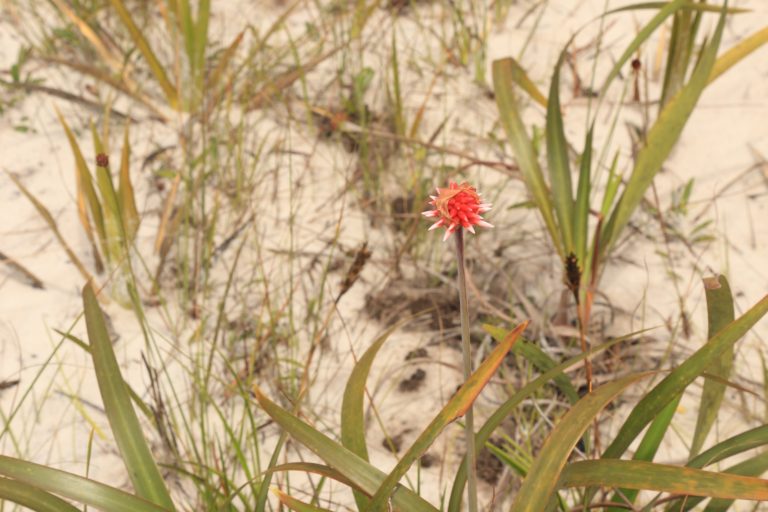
[(455, 408)]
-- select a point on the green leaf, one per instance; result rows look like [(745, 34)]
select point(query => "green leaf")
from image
[(755, 438), (754, 466), (720, 313), (735, 445), (456, 407), (142, 470), (141, 43), (125, 195), (664, 12), (581, 209), (492, 423), (352, 415), (736, 53), (542, 480), (647, 450), (635, 474), (365, 476), (87, 200), (661, 139), (113, 223), (521, 78), (504, 89), (32, 497), (75, 487), (676, 382), (557, 159)]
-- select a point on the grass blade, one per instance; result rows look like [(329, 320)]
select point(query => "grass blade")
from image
[(735, 445), (86, 195), (75, 487), (365, 476), (141, 43), (635, 474), (146, 478), (454, 504), (48, 218), (647, 449), (503, 86), (542, 481), (557, 160), (352, 415), (125, 196), (455, 408), (676, 382), (581, 207), (664, 12), (754, 467), (32, 497), (113, 224), (736, 53), (661, 139), (720, 313), (521, 78)]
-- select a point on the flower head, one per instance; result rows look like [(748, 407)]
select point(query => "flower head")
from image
[(458, 206)]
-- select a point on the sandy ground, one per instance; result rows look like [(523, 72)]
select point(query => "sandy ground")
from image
[(720, 148)]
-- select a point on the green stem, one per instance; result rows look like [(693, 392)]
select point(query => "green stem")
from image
[(466, 350)]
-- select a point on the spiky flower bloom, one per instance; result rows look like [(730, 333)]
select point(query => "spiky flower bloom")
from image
[(458, 206)]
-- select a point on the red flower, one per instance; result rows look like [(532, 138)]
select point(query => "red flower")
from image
[(458, 206)]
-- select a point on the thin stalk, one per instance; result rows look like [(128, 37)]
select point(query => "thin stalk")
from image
[(466, 349)]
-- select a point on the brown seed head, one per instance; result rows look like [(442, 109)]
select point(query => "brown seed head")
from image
[(102, 160)]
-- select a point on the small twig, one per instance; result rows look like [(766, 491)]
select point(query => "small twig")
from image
[(34, 281)]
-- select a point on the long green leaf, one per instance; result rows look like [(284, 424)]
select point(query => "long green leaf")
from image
[(735, 445), (647, 449), (32, 497), (755, 438), (754, 466), (75, 487), (125, 195), (542, 480), (113, 223), (635, 474), (557, 159), (141, 43), (365, 476), (664, 12), (141, 467), (504, 89), (720, 313), (581, 207), (500, 414), (661, 139), (352, 415), (456, 407), (87, 200), (736, 53), (676, 382), (521, 78)]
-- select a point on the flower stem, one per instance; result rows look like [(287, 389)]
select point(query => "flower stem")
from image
[(466, 350)]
